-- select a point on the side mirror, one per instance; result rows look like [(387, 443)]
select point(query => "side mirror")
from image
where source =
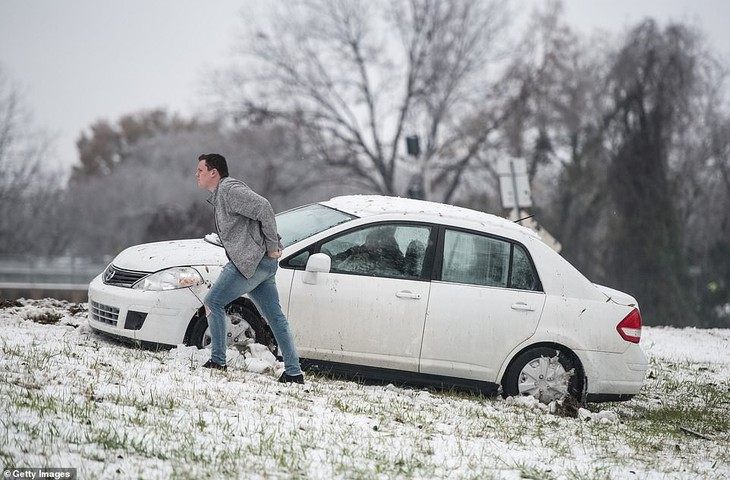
[(319, 262)]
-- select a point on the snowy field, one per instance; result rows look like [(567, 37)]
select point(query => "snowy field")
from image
[(72, 399)]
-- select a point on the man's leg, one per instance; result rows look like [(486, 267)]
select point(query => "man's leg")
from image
[(266, 298), (229, 286)]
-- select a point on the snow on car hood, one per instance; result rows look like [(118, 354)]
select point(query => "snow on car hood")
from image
[(151, 257)]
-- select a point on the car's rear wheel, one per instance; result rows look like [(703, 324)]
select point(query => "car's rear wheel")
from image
[(545, 373), (243, 326)]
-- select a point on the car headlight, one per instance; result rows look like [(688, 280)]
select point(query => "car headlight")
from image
[(170, 279)]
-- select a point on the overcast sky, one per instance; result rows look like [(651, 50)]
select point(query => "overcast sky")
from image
[(77, 61)]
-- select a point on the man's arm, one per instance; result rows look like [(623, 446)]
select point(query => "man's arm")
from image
[(246, 202)]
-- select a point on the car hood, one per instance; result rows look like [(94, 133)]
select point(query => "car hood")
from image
[(151, 257), (617, 296)]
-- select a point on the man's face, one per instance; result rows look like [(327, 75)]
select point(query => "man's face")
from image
[(207, 179)]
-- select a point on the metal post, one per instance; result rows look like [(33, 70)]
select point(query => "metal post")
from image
[(514, 190), (419, 186)]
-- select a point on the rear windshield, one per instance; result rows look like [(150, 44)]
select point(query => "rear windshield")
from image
[(303, 222)]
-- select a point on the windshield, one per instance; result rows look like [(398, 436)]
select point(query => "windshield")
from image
[(303, 222)]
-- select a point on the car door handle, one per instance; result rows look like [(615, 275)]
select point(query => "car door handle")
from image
[(523, 306), (408, 294)]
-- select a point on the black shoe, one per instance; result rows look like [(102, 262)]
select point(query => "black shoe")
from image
[(291, 378), (215, 366)]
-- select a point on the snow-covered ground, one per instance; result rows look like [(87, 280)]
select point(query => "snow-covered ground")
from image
[(70, 398)]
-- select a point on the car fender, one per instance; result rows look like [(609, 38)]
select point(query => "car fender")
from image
[(563, 342), (566, 329)]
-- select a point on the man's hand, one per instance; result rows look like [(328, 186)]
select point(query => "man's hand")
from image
[(274, 254)]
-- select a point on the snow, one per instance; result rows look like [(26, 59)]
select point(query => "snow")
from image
[(689, 345), (70, 398), (368, 205)]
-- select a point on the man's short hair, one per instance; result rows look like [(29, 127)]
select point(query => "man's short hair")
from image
[(217, 161)]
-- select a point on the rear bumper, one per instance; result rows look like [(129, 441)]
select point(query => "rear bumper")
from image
[(617, 376), (145, 316)]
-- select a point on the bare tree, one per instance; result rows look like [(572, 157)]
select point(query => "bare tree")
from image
[(357, 77), (106, 145), (20, 148), (155, 184), (703, 210), (152, 194), (28, 193), (633, 142), (557, 125), (700, 168), (653, 82)]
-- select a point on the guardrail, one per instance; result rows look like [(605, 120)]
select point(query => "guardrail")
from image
[(72, 293), (65, 278)]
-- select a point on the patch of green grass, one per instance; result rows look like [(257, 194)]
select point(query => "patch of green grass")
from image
[(698, 405), (126, 405), (533, 472), (588, 472), (45, 318)]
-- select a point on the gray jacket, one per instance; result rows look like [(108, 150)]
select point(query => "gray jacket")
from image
[(246, 224)]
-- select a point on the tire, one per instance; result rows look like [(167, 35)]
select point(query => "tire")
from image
[(244, 326), (545, 373)]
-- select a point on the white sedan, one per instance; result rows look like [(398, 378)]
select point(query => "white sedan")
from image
[(403, 291)]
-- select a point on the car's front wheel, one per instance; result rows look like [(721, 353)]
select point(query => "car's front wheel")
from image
[(545, 373), (243, 326)]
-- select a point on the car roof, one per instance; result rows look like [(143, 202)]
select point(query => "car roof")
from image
[(374, 205)]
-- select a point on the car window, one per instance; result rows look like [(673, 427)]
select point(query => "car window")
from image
[(481, 260), (303, 222), (298, 261), (523, 275), (388, 250)]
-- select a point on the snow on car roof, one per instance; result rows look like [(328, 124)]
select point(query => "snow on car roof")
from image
[(369, 205)]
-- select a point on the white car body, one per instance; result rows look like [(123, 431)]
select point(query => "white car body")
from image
[(435, 326)]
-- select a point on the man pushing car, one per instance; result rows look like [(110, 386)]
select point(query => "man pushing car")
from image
[(246, 226)]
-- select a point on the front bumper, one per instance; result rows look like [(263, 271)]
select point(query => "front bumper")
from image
[(145, 316)]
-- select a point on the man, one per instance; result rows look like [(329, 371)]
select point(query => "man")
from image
[(247, 228)]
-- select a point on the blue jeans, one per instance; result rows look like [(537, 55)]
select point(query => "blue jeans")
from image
[(261, 289)]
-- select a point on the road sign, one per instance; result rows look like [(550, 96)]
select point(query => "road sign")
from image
[(514, 185), (507, 186), (508, 166)]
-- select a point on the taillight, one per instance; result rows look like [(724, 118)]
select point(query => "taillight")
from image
[(630, 327)]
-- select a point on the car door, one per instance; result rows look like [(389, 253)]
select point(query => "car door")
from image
[(485, 300), (370, 308)]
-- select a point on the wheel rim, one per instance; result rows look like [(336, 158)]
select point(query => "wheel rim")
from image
[(239, 332), (545, 379)]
